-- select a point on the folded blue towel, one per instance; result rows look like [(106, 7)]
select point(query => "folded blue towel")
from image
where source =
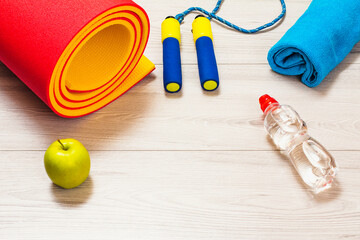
[(319, 40)]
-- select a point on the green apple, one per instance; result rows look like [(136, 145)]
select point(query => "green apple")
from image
[(67, 163)]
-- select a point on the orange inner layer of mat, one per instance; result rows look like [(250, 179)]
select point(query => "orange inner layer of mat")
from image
[(102, 61)]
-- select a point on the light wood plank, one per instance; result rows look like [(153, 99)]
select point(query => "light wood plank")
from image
[(167, 178), (148, 119), (177, 195), (231, 47)]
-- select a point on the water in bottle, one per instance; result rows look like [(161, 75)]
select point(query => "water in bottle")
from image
[(313, 162)]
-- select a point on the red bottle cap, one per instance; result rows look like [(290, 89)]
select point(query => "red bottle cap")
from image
[(265, 101)]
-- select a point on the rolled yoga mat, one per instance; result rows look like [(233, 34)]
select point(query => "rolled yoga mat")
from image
[(322, 37), (77, 56)]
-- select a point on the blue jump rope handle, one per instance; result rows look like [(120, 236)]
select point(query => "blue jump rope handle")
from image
[(208, 71), (170, 36), (203, 37), (172, 65)]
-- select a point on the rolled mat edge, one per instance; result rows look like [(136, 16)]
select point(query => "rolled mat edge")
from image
[(81, 58)]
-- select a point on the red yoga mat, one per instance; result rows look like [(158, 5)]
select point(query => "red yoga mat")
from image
[(76, 55)]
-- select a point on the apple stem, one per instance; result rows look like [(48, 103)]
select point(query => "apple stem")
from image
[(62, 145)]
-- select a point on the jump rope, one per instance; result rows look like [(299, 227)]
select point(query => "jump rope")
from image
[(203, 38)]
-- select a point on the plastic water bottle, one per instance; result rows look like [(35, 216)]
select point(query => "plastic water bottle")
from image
[(288, 131)]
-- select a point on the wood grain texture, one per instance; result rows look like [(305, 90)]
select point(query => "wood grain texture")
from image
[(177, 195), (230, 119), (193, 165), (231, 47)]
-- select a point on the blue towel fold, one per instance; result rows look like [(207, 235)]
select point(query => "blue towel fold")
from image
[(318, 41)]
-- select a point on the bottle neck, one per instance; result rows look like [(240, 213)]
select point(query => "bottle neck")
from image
[(271, 107)]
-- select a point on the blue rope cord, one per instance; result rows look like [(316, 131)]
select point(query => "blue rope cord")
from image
[(213, 15)]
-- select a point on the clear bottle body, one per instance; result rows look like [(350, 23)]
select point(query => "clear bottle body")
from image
[(313, 162)]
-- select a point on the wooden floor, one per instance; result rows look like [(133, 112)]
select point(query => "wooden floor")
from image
[(193, 165)]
